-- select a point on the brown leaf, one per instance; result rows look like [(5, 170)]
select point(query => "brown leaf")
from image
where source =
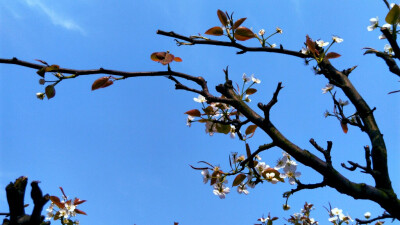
[(222, 17), (77, 201), (238, 23), (311, 45), (238, 179), (50, 91), (344, 127), (214, 177), (57, 201), (243, 34), (168, 58), (251, 91), (332, 55), (216, 31), (250, 129), (80, 211), (193, 112), (99, 83)]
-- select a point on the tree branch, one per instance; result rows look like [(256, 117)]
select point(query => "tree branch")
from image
[(267, 108), (391, 41), (243, 48), (384, 216)]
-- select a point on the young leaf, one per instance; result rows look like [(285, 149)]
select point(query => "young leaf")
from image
[(199, 168), (52, 68), (243, 34), (168, 58), (311, 45), (251, 91), (393, 15), (238, 179), (193, 112), (100, 83), (332, 55), (57, 201), (214, 178), (344, 127), (50, 91), (216, 31), (223, 128), (251, 129), (177, 59), (238, 23), (80, 211), (41, 72), (44, 62), (222, 17)]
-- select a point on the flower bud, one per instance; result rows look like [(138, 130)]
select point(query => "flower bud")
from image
[(42, 81), (40, 95), (286, 207)]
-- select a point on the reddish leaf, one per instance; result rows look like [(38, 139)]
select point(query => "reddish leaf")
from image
[(222, 17), (311, 45), (176, 223), (50, 91), (344, 127), (80, 211), (251, 91), (216, 31), (332, 55), (177, 59), (238, 23), (168, 58), (62, 190), (77, 201), (44, 62), (57, 201), (101, 83), (238, 179), (243, 34), (214, 178), (193, 112), (157, 56), (251, 129), (209, 110)]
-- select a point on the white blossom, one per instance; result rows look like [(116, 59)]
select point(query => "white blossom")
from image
[(327, 88), (200, 99), (374, 24), (322, 43)]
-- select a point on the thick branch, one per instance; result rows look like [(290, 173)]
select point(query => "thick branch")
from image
[(243, 48), (391, 41)]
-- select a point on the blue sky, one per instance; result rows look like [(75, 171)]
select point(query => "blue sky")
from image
[(126, 148)]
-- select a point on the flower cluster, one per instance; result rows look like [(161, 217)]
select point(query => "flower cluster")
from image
[(337, 217), (317, 51), (218, 117), (259, 171), (66, 209), (266, 221), (263, 40), (304, 216)]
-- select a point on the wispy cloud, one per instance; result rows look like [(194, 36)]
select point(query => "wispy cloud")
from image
[(55, 17)]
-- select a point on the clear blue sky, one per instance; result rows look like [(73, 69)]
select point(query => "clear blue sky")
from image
[(126, 149)]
